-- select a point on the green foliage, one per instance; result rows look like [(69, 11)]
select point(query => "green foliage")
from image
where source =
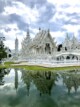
[(8, 63), (3, 53)]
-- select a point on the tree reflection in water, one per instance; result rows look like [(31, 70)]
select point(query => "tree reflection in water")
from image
[(26, 76), (45, 83), (43, 80), (71, 80), (3, 72)]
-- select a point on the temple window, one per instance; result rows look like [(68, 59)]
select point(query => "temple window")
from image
[(68, 57), (65, 49)]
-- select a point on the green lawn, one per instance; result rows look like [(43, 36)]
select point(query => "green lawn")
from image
[(38, 68)]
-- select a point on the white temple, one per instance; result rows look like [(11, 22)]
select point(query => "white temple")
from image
[(44, 48)]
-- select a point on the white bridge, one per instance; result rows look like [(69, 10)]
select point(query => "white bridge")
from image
[(56, 60)]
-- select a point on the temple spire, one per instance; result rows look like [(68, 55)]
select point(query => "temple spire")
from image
[(39, 28), (48, 30), (16, 45), (16, 79), (67, 36), (28, 34)]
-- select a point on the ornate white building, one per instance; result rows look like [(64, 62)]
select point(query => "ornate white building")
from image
[(44, 47)]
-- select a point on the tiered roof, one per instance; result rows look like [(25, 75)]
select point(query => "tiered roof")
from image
[(40, 38)]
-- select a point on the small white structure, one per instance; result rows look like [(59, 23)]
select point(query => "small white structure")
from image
[(16, 46)]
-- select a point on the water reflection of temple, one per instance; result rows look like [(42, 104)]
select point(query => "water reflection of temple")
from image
[(26, 76), (4, 72), (44, 81), (71, 80), (16, 79)]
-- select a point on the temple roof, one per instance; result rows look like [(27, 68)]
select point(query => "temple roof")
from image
[(40, 38), (70, 42)]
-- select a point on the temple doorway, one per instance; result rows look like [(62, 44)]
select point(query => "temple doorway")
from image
[(47, 48)]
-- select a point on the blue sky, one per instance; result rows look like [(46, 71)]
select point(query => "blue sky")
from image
[(60, 16)]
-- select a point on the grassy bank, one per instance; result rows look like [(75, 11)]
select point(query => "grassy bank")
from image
[(38, 68)]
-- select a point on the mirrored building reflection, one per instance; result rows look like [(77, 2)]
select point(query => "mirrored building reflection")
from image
[(71, 80), (44, 81), (16, 79)]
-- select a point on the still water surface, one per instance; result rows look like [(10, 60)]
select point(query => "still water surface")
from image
[(20, 88)]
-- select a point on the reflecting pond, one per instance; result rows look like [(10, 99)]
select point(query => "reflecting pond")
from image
[(22, 88)]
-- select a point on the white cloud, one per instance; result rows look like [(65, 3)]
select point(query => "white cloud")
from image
[(66, 15), (71, 28), (12, 34), (9, 43), (27, 14), (32, 15), (74, 21), (59, 17), (73, 6), (60, 2), (58, 36), (70, 9)]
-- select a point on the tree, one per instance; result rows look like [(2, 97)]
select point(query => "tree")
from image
[(3, 53)]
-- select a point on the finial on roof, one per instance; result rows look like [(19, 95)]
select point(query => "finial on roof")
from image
[(39, 28), (28, 31), (48, 30), (67, 36)]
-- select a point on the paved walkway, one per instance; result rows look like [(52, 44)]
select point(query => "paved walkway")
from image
[(48, 64)]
